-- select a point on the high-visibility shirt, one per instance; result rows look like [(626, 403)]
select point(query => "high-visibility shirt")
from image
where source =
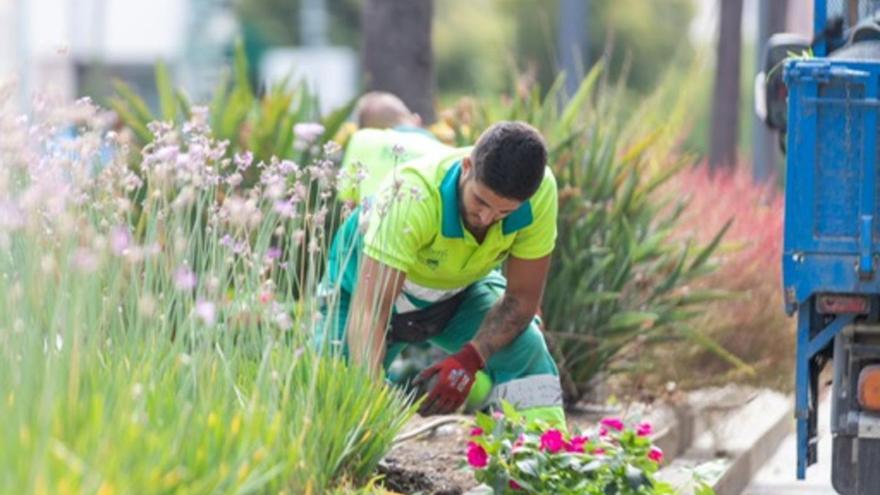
[(414, 225), (370, 156)]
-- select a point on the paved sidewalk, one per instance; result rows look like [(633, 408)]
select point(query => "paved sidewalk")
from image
[(778, 476)]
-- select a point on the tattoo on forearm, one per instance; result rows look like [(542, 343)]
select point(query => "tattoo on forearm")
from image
[(502, 324)]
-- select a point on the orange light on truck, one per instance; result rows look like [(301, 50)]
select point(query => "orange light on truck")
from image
[(869, 387)]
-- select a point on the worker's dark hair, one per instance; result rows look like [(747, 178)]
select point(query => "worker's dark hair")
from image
[(509, 159)]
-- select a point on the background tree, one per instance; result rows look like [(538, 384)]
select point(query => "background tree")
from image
[(396, 52), (725, 97)]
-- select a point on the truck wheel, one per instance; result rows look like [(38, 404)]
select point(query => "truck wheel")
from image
[(854, 470)]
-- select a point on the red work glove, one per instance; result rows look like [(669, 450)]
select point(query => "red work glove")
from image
[(455, 376)]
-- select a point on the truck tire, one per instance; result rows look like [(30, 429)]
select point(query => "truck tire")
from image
[(863, 454)]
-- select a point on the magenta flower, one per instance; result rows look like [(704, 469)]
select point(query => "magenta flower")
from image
[(551, 441), (576, 444), (599, 451), (477, 456), (655, 454), (612, 424), (514, 485), (476, 431), (644, 429)]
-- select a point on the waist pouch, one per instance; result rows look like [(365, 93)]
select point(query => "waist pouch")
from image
[(420, 325)]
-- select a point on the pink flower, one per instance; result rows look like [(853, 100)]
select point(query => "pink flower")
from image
[(551, 441), (603, 432), (120, 240), (498, 415), (285, 209), (206, 312), (265, 297), (476, 431), (273, 253), (184, 278), (477, 456), (599, 451), (612, 424), (655, 454), (308, 131), (513, 485), (576, 444), (644, 429)]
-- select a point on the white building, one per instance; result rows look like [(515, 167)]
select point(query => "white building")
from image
[(77, 46)]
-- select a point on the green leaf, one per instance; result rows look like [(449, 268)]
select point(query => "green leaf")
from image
[(628, 319), (710, 248), (716, 348), (135, 103), (185, 105), (510, 412), (703, 488), (528, 466), (333, 121), (240, 62), (578, 101), (165, 88), (131, 120)]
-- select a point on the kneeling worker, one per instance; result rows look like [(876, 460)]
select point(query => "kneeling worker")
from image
[(418, 263)]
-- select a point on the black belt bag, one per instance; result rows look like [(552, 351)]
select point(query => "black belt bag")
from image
[(420, 325)]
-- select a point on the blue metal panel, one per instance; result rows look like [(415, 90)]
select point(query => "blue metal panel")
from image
[(831, 227), (809, 274)]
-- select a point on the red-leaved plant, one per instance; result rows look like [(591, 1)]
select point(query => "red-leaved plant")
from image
[(751, 324), (512, 456)]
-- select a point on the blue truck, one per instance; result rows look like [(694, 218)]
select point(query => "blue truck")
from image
[(823, 96)]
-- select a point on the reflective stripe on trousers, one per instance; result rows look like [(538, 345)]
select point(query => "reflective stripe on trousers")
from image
[(527, 392)]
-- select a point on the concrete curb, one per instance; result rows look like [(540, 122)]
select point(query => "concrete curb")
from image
[(734, 430), (747, 460)]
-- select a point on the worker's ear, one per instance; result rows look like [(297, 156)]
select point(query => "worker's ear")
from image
[(466, 166), (416, 120)]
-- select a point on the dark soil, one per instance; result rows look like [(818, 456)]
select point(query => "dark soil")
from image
[(433, 464)]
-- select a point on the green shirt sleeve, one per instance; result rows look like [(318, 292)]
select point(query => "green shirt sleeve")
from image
[(401, 222), (539, 238)]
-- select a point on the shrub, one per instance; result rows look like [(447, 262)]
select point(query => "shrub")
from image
[(751, 325)]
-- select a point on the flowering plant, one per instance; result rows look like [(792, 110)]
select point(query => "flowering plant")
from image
[(512, 456)]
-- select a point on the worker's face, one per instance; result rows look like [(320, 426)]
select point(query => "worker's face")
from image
[(480, 206)]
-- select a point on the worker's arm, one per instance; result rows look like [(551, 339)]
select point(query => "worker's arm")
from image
[(512, 313), (377, 287)]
